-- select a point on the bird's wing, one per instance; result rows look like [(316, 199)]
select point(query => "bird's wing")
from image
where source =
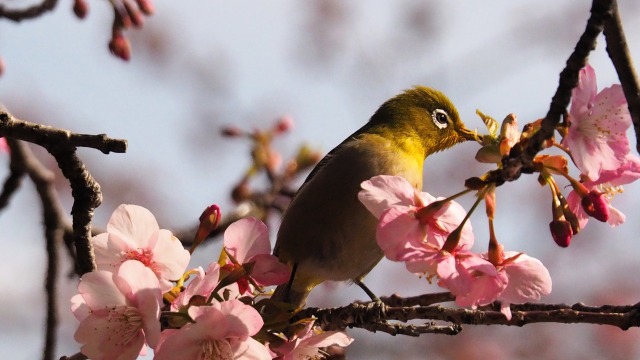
[(329, 155)]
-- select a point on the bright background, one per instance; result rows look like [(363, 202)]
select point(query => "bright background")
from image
[(198, 65)]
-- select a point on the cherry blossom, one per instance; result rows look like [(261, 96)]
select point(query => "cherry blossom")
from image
[(118, 312), (383, 191), (133, 234), (201, 285), (220, 331), (608, 185), (247, 241), (308, 342), (518, 278), (529, 280), (4, 147), (409, 230), (597, 126)]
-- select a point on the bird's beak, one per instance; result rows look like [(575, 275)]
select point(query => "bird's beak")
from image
[(468, 134)]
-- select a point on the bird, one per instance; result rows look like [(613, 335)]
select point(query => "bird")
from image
[(325, 232)]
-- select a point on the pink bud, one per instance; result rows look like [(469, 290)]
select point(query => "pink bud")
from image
[(283, 125), (80, 8), (561, 232), (119, 46), (596, 205), (146, 6), (211, 216), (134, 14), (231, 131), (1, 66), (209, 221)]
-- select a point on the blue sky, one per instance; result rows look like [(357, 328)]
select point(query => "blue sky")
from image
[(248, 62)]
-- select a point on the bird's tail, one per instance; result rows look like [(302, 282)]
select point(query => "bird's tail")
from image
[(286, 293), (296, 290)]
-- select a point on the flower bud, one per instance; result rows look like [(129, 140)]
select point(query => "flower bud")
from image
[(283, 125), (241, 192), (119, 46), (561, 232), (596, 205), (80, 8), (134, 14), (146, 6), (209, 221), (231, 131)]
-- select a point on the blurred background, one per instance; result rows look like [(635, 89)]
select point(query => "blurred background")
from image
[(200, 65)]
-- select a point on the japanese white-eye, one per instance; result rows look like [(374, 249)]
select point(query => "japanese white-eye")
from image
[(326, 233)]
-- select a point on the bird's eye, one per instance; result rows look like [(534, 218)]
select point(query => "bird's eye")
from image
[(440, 118)]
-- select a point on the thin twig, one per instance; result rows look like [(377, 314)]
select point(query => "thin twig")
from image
[(48, 136), (31, 12), (621, 59), (12, 182)]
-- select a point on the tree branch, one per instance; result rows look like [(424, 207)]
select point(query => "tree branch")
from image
[(521, 156), (621, 59), (31, 12), (54, 223), (48, 136), (12, 182), (86, 197), (370, 316)]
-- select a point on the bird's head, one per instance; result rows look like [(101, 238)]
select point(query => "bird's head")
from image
[(426, 114)]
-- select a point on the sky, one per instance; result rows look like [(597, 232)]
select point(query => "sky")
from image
[(199, 65)]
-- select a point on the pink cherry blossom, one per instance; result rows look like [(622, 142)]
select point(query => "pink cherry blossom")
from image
[(220, 331), (383, 191), (518, 279), (598, 124), (306, 344), (202, 284), (247, 240), (610, 184), (4, 147), (118, 312), (133, 234), (529, 280)]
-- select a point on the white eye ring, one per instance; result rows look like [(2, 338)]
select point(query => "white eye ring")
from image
[(440, 118)]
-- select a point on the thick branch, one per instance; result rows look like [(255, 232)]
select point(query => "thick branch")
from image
[(48, 136), (621, 59), (369, 316), (86, 197), (31, 12)]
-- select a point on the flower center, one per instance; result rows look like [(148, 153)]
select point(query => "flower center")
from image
[(609, 191), (143, 255), (218, 349)]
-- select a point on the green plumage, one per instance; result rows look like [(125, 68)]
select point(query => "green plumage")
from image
[(326, 232)]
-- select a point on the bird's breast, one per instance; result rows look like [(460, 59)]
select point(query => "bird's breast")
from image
[(326, 230)]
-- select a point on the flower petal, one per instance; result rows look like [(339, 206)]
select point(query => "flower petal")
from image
[(133, 224), (246, 238), (383, 191)]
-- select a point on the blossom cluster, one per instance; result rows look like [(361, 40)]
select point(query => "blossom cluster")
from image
[(430, 235), (598, 143), (137, 297)]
